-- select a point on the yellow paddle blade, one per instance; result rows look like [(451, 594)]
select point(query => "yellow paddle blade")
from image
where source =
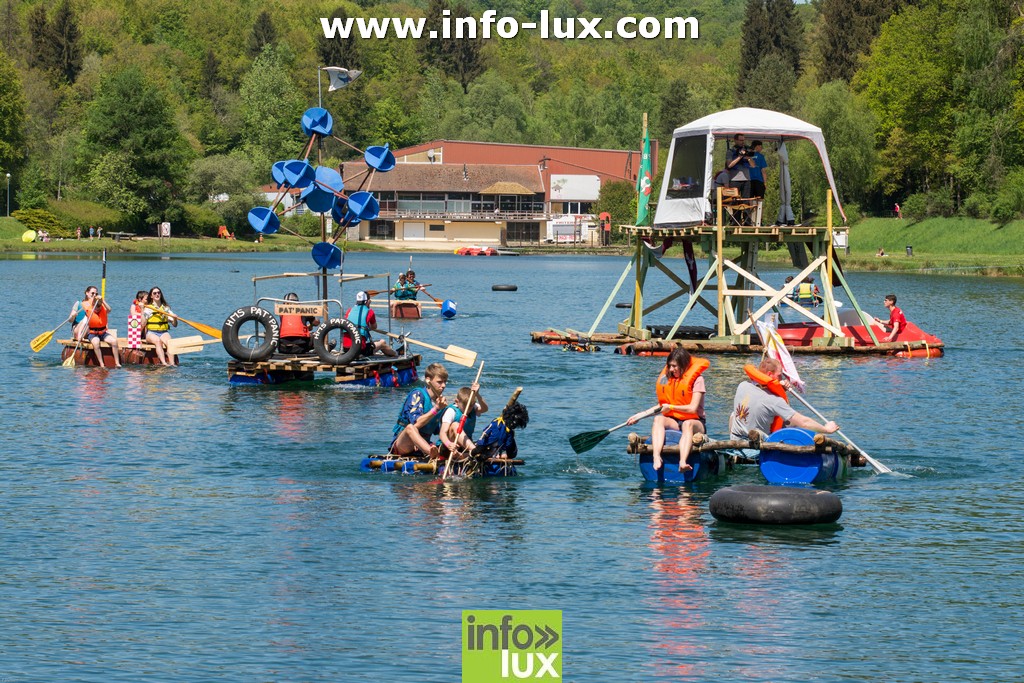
[(69, 362), (41, 341), (205, 329)]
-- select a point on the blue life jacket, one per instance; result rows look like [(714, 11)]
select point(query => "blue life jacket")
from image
[(470, 425), (358, 315), (416, 403), (497, 439)]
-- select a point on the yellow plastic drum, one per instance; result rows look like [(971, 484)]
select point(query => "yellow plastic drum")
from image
[(28, 236)]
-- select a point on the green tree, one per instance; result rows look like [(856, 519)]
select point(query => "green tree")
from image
[(390, 122), (115, 183), (338, 51), (66, 47), (271, 112), (464, 57), (130, 122), (618, 198), (12, 117), (218, 175), (434, 53), (770, 28), (770, 85), (12, 27), (263, 34), (755, 41), (39, 38), (210, 75), (846, 29)]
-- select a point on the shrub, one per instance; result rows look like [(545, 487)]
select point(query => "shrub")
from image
[(40, 219), (308, 224), (74, 213), (978, 205), (915, 208), (200, 220), (940, 202)]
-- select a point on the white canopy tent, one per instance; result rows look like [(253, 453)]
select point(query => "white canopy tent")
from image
[(689, 175)]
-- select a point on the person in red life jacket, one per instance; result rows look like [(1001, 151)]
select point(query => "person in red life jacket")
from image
[(897, 321), (295, 330), (420, 417), (90, 318), (761, 404), (681, 390), (366, 321)]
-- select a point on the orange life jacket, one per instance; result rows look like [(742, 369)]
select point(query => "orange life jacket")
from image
[(680, 391), (292, 326), (97, 317), (771, 385)]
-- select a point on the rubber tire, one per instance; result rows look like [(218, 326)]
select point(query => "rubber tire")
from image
[(344, 356), (233, 325), (623, 304), (775, 505), (504, 288)]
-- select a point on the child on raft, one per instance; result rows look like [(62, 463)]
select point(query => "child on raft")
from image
[(420, 417), (451, 439), (498, 440)]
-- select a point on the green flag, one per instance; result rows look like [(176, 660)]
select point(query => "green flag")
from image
[(643, 182)]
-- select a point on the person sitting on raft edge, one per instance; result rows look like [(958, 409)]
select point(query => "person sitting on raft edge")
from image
[(420, 417), (762, 404), (680, 389), (365, 320), (295, 330), (452, 441)]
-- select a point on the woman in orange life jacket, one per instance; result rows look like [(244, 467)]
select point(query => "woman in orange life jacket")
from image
[(681, 392), (295, 330), (761, 404), (90, 318)]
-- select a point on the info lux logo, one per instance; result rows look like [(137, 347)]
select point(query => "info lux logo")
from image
[(509, 645)]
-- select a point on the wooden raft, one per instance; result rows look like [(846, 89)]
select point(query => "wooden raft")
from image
[(299, 367), (701, 443), (662, 347), (145, 354)]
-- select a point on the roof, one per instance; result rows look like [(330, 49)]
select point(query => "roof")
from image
[(506, 187), (766, 124), (449, 178)]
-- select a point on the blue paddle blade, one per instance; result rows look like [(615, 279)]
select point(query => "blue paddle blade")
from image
[(298, 174), (264, 220), (326, 255), (317, 120), (364, 206), (277, 173), (379, 158)]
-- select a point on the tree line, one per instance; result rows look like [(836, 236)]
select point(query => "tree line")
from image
[(155, 111)]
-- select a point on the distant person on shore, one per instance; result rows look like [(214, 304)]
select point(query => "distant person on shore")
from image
[(92, 232), (881, 252), (159, 318), (680, 389), (99, 232), (78, 232), (896, 210), (761, 404), (90, 319), (420, 417), (897, 321)]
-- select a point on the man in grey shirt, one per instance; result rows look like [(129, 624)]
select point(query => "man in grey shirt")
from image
[(755, 407)]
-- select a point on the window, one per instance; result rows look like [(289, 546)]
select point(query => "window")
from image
[(523, 232), (686, 181), (382, 230), (437, 227)]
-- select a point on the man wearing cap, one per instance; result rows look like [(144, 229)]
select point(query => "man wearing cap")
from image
[(365, 321)]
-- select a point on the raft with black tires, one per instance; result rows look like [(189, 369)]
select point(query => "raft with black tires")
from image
[(467, 468), (375, 371), (775, 505)]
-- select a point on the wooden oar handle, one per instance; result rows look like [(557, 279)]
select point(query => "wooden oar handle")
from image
[(515, 396)]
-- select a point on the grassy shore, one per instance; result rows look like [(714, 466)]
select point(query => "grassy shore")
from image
[(941, 245)]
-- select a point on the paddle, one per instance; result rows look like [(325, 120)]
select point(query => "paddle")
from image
[(40, 342), (876, 465), (205, 329), (583, 442), (455, 354), (69, 362), (462, 423), (423, 288)]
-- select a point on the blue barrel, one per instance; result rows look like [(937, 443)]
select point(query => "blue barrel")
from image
[(797, 468), (448, 309), (705, 465)]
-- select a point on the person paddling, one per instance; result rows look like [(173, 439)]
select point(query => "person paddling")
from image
[(90, 318), (159, 318), (761, 404), (420, 417)]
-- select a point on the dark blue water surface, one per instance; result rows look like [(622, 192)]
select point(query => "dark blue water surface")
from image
[(163, 525)]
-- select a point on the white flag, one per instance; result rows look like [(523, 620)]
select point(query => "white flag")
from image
[(775, 347), (340, 77)]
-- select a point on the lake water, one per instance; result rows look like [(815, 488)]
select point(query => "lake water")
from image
[(159, 524)]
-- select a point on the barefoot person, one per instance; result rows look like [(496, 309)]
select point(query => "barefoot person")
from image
[(90, 318), (681, 392), (159, 318), (450, 436), (420, 418)]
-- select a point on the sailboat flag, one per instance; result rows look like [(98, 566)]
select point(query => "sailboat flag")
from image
[(775, 347), (340, 77)]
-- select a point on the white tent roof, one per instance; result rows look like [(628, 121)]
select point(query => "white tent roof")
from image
[(762, 124)]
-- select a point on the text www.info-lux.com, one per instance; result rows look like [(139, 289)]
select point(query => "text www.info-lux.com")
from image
[(489, 25)]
